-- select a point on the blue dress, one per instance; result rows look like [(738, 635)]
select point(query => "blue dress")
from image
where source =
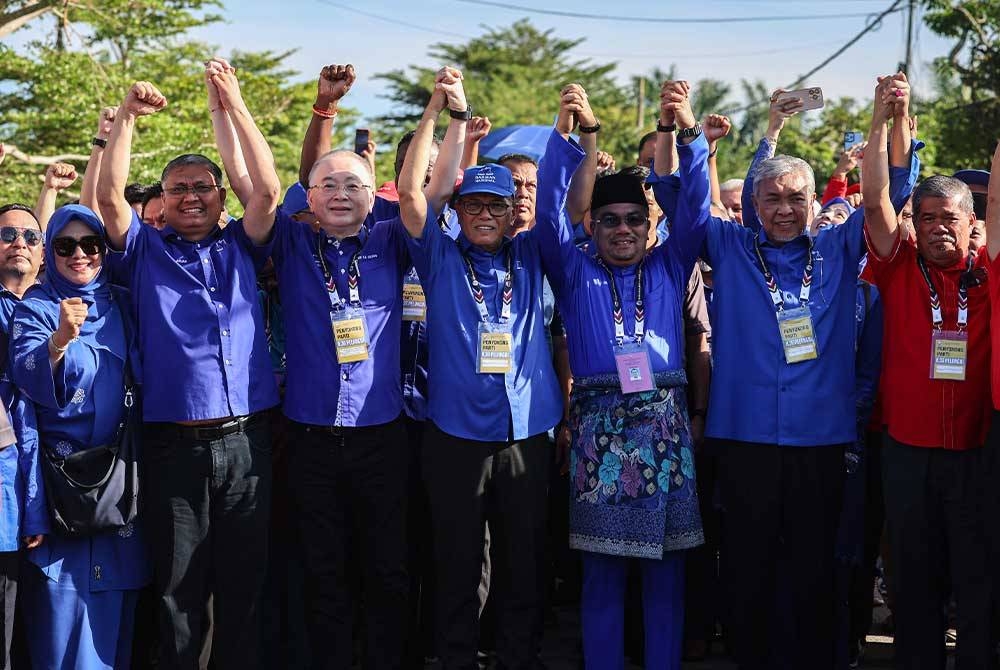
[(81, 599)]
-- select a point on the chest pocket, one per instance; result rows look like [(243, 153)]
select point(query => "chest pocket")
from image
[(380, 281)]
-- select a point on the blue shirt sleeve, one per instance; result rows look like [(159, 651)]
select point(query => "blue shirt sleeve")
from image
[(903, 180), (35, 517), (259, 253), (765, 150), (667, 189), (560, 257), (689, 226)]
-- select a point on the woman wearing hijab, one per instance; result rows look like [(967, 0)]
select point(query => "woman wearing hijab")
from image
[(69, 343)]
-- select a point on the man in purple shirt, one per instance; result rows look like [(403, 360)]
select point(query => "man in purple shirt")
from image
[(207, 379)]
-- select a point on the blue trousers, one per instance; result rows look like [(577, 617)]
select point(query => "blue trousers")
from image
[(602, 610)]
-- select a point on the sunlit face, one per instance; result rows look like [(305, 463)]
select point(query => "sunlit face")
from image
[(833, 215), (784, 205), (621, 232), (943, 230), (340, 194), (977, 236), (905, 221), (732, 199), (525, 177), (193, 215), (482, 227), (79, 267), (18, 258)]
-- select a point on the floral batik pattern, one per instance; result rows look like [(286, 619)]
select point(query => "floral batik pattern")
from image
[(633, 487)]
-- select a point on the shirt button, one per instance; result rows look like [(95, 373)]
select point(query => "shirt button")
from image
[(341, 252), (228, 362), (205, 261), (343, 271), (345, 376), (225, 333), (212, 289), (220, 305)]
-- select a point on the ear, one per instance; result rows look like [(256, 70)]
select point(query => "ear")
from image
[(222, 196)]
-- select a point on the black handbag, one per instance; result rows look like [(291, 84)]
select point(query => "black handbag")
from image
[(97, 489)]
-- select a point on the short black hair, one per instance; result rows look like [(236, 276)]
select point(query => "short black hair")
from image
[(943, 186), (152, 191), (401, 148), (18, 207), (648, 137), (134, 193), (516, 158), (193, 159)]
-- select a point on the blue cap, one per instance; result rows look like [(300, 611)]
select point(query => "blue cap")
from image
[(839, 201), (974, 177), (295, 199), (489, 178)]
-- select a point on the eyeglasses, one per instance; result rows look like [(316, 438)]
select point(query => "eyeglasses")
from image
[(475, 207), (9, 235), (612, 221), (66, 246), (350, 188), (199, 190)]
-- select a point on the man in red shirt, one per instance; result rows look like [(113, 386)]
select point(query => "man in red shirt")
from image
[(936, 405)]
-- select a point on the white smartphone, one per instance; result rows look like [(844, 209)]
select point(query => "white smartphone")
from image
[(812, 98)]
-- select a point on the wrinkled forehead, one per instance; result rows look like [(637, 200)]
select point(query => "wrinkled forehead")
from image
[(523, 170), (785, 184), (18, 218), (341, 168)]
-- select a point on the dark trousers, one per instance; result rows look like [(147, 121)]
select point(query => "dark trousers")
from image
[(704, 599), (207, 504), (420, 638), (469, 483), (936, 527), (782, 506), (351, 484), (9, 567)]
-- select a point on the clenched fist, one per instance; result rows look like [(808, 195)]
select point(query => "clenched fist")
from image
[(334, 83), (143, 99), (60, 176), (72, 314)]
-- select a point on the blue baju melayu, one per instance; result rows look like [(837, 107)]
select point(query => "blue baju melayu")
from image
[(80, 596)]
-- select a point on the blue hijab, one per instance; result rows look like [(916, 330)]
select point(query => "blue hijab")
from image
[(104, 327)]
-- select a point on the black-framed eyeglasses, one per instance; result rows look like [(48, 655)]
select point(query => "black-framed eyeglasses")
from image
[(9, 235), (351, 188), (612, 221), (199, 190), (66, 246), (476, 207)]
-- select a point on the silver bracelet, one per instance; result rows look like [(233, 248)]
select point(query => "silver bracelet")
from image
[(58, 349)]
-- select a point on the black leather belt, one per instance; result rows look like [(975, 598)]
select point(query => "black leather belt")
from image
[(212, 432)]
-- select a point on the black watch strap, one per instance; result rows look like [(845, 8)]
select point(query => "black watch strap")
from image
[(461, 116), (660, 128), (98, 142), (586, 130)]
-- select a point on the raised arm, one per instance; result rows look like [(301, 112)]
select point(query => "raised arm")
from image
[(225, 136), (694, 204), (442, 184), (258, 217), (476, 130), (715, 127), (141, 100), (993, 207), (900, 146), (665, 157), (88, 189), (333, 84), (413, 204), (581, 185), (880, 217), (58, 177), (778, 114)]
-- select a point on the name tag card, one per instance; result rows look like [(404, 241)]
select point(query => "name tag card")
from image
[(949, 354), (496, 347), (350, 335), (414, 301), (634, 370), (797, 336)]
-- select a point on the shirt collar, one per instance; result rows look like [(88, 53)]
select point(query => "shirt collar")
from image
[(766, 242), (171, 235), (468, 247)]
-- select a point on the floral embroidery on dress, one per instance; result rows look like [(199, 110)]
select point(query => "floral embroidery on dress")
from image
[(127, 530), (64, 448), (16, 331), (29, 362), (78, 397)]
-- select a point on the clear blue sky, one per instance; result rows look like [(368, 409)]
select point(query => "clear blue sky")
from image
[(380, 35)]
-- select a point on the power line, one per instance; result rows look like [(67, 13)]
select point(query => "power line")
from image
[(646, 19), (872, 25), (398, 22)]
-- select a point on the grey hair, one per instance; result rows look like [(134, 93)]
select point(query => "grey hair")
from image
[(360, 160), (940, 186), (781, 165), (731, 185)]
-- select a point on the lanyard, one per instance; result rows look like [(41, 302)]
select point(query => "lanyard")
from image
[(477, 288), (963, 295), (772, 285), (353, 277), (616, 305)]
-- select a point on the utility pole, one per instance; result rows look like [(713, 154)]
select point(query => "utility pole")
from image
[(909, 37), (640, 106)]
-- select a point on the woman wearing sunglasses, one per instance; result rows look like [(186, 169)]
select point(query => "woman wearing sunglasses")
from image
[(69, 343)]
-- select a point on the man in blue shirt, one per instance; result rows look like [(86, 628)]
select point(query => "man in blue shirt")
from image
[(25, 521), (782, 407), (207, 379), (493, 397)]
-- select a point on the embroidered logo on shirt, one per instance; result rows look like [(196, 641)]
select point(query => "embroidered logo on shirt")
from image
[(78, 397), (63, 448), (368, 257)]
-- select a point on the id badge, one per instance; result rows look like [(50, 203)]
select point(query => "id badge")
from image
[(634, 371), (797, 335), (949, 354), (414, 301), (350, 335), (496, 347)]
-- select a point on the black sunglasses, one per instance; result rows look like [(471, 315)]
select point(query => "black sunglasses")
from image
[(9, 235), (66, 246)]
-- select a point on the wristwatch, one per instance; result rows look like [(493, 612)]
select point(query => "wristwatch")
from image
[(692, 132), (660, 128), (586, 130), (98, 142), (461, 116)]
